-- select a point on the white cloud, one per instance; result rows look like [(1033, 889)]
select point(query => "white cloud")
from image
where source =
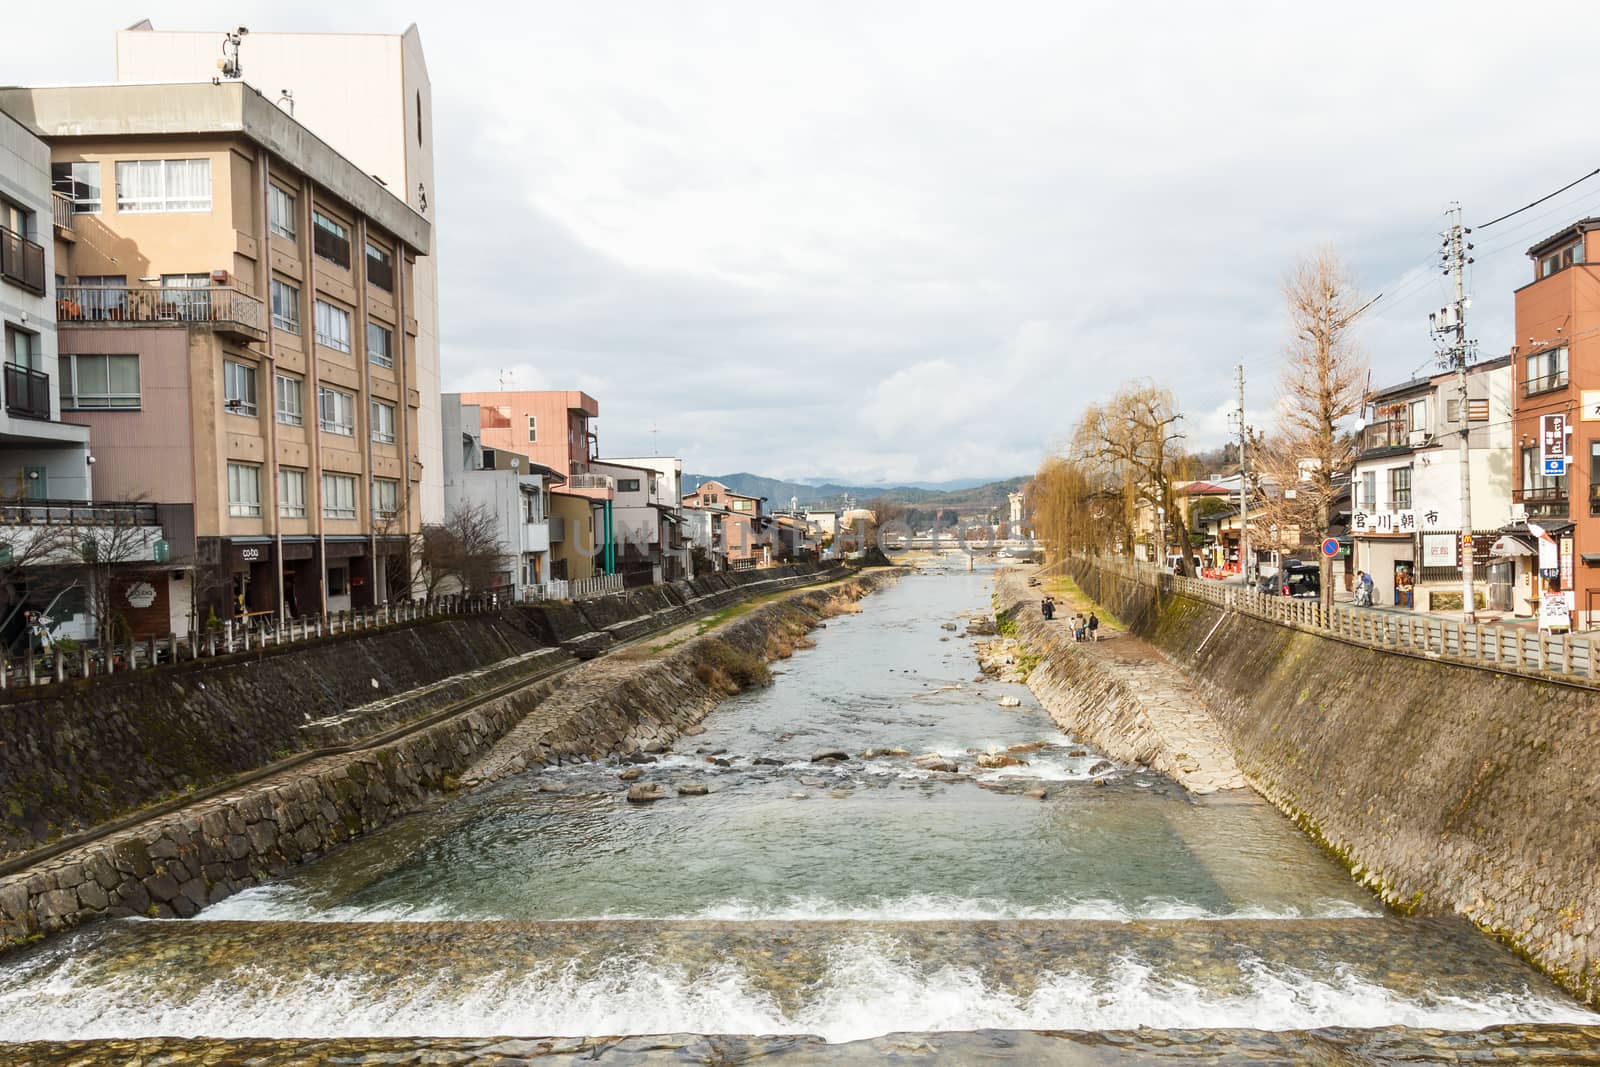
[(913, 239)]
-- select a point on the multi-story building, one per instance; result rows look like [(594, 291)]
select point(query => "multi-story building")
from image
[(1556, 425), (744, 543), (368, 96), (555, 428), (505, 486), (237, 331), (650, 512), (41, 457), (1406, 520)]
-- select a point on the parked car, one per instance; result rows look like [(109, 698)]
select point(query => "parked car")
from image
[(1300, 580)]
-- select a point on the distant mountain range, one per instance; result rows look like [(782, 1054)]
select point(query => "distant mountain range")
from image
[(967, 492)]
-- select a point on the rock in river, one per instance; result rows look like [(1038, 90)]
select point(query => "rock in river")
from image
[(829, 755), (1101, 767), (935, 762), (632, 774), (645, 792), (692, 789), (1010, 702), (993, 760)]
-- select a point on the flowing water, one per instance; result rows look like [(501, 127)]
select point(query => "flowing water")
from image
[(845, 899)]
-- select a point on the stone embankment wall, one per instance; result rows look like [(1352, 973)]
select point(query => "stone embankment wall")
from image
[(176, 864), (1120, 695), (82, 753), (1445, 788)]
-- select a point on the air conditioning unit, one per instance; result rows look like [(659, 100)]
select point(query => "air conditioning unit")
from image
[(1419, 438)]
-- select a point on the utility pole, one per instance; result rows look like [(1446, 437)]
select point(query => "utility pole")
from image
[(1244, 487), (1456, 353)]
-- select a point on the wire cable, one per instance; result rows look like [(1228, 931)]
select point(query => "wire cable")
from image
[(1536, 203)]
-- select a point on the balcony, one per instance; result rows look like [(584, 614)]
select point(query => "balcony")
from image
[(27, 392), (235, 315), (1540, 494), (592, 486), (21, 261), (1382, 435), (63, 216)]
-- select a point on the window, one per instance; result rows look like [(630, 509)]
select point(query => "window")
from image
[(22, 348), (1369, 490), (80, 182), (742, 505), (338, 496), (164, 185), (291, 492), (1547, 370), (339, 581), (1418, 415), (193, 303), (627, 485), (1400, 488), (239, 387), (385, 498), (338, 411), (380, 267), (290, 406), (1477, 410), (99, 382), (378, 342), (1533, 476), (285, 307), (532, 505), (1561, 258), (383, 422), (333, 326), (1594, 478), (330, 239), (280, 212), (244, 490), (533, 428)]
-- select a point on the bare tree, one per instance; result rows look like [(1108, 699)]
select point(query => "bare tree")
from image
[(1309, 458), (462, 554), (1133, 445), (107, 553)]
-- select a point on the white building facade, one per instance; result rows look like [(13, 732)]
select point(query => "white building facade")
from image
[(1406, 518), (508, 487), (41, 458)]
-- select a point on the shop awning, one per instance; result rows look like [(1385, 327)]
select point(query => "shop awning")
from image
[(1590, 559), (1509, 547)]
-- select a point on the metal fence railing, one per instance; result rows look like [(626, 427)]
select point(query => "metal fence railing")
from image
[(1571, 656), (66, 660)]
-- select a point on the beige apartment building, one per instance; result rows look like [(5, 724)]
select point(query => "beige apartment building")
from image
[(369, 97), (235, 323)]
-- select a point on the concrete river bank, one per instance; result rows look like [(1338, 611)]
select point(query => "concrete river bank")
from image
[(827, 881)]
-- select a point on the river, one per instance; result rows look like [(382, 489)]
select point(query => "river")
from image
[(845, 899)]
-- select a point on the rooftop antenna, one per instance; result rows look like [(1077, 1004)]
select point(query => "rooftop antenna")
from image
[(654, 448), (508, 379), (286, 97), (229, 63)]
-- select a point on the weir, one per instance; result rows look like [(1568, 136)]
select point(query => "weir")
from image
[(884, 841)]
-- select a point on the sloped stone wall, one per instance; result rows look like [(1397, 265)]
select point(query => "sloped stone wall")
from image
[(174, 865), (1446, 788), (82, 753)]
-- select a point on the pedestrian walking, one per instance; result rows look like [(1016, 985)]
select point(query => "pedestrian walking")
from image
[(1094, 626)]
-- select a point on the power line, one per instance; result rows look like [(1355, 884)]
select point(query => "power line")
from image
[(1536, 203)]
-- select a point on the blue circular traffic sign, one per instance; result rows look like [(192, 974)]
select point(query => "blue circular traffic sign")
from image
[(1330, 547)]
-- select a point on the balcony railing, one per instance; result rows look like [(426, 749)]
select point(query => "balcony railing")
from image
[(1540, 494), (224, 307), (61, 212), (591, 481), (1544, 384), (27, 392), (21, 261), (1384, 435), (76, 513)]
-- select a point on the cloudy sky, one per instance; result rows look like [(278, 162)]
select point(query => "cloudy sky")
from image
[(909, 241)]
